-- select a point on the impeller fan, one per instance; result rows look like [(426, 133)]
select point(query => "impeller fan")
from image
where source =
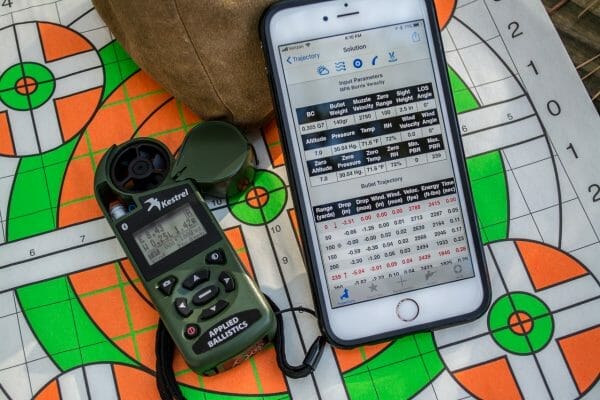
[(140, 166)]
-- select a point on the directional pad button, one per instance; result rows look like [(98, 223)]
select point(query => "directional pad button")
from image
[(195, 279), (227, 281), (214, 309), (181, 305)]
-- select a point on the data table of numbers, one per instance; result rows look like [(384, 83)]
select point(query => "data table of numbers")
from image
[(396, 240), (368, 135)]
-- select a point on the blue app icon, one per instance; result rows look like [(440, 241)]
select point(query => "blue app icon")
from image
[(322, 70), (340, 66), (357, 63), (345, 295)]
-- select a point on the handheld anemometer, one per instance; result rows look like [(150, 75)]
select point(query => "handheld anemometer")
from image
[(212, 309)]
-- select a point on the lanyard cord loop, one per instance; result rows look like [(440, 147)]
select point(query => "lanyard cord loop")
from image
[(165, 376), (312, 356)]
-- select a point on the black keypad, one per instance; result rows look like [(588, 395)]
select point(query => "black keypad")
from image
[(181, 305), (195, 279), (205, 295), (216, 257), (191, 331), (214, 309), (227, 281), (167, 285)]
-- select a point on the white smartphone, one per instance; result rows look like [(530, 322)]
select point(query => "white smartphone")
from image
[(376, 165)]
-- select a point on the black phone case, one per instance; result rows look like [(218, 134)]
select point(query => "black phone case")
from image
[(310, 256)]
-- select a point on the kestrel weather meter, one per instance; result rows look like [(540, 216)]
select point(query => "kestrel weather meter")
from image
[(213, 310)]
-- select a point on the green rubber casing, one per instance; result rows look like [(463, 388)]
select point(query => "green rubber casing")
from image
[(246, 323)]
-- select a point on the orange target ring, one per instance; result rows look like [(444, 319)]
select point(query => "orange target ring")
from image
[(445, 9)]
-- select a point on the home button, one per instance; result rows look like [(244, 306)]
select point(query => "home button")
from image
[(407, 310)]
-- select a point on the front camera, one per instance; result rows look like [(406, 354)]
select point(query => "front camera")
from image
[(325, 18)]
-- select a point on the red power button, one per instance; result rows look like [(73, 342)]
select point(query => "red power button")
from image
[(191, 331)]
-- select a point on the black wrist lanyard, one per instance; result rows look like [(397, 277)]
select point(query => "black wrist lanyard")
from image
[(165, 349), (313, 356)]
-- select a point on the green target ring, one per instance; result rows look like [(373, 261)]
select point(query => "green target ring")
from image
[(26, 86), (261, 202), (521, 323)]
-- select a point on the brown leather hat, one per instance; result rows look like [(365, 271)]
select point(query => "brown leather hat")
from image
[(206, 53)]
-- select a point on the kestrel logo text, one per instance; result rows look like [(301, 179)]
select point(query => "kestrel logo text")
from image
[(154, 202)]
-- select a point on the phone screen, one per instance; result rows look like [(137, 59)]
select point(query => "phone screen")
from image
[(376, 162)]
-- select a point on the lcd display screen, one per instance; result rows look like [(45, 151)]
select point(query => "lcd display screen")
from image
[(169, 233)]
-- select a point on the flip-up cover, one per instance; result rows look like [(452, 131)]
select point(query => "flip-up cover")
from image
[(212, 152)]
